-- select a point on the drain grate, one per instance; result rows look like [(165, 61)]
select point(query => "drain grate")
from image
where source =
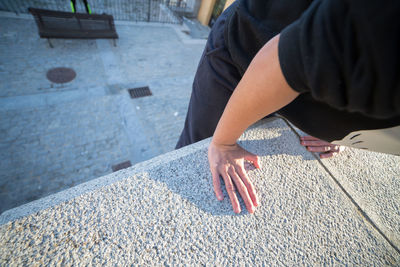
[(122, 165), (61, 75), (139, 92)]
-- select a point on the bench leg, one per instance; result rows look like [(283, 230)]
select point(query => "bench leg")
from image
[(115, 42), (51, 45)]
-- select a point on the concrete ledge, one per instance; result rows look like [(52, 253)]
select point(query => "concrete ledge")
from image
[(95, 184), (373, 180), (163, 212)]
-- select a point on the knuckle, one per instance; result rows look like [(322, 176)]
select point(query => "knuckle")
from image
[(222, 168), (231, 169), (242, 173)]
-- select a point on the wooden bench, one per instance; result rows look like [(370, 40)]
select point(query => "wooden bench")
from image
[(58, 24)]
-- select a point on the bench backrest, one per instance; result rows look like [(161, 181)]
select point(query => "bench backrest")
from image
[(58, 24)]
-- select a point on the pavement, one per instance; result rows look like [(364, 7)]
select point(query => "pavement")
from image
[(54, 136), (162, 212)]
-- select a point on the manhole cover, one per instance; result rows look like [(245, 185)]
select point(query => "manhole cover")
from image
[(61, 75)]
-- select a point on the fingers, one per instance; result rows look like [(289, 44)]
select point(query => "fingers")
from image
[(249, 185), (253, 158), (217, 185), (242, 191), (308, 138), (242, 183), (314, 144), (332, 153), (331, 148), (230, 188), (227, 161), (327, 155)]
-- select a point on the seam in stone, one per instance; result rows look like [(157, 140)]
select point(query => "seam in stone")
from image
[(359, 209)]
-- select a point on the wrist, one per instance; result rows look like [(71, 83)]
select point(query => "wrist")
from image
[(222, 143), (223, 137)]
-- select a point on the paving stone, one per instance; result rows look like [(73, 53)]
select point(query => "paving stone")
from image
[(48, 159), (28, 58), (48, 132), (143, 54)]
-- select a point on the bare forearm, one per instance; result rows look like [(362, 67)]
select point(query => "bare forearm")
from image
[(261, 91)]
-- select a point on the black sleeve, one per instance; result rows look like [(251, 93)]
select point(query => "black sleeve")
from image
[(346, 54)]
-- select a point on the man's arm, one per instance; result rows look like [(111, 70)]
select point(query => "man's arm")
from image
[(262, 90)]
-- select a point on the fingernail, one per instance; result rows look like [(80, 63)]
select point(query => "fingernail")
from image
[(237, 211), (219, 197)]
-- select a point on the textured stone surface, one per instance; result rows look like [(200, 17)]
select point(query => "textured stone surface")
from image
[(373, 180), (165, 213)]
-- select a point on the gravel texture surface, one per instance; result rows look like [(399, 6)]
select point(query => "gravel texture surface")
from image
[(163, 212), (373, 180)]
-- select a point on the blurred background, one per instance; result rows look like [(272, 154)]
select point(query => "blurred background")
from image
[(76, 109)]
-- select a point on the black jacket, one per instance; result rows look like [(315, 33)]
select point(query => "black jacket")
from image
[(340, 53)]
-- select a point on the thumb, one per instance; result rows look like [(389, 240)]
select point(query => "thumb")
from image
[(253, 158)]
